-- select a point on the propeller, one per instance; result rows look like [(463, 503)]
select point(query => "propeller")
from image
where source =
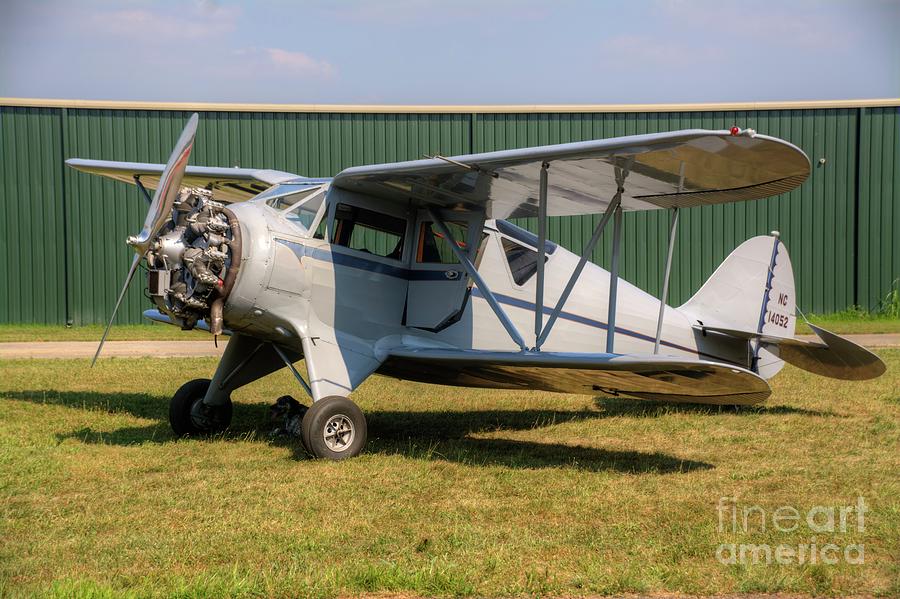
[(159, 212)]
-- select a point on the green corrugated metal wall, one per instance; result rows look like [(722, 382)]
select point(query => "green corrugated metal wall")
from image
[(878, 264), (61, 232), (32, 230)]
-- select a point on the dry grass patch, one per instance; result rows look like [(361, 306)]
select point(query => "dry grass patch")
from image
[(461, 492)]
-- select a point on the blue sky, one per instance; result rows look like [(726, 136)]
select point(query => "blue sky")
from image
[(451, 51)]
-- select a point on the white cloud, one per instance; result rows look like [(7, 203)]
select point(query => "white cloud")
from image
[(202, 20), (299, 62), (275, 62)]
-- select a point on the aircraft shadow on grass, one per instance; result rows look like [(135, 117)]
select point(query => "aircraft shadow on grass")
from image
[(418, 434), (623, 406)]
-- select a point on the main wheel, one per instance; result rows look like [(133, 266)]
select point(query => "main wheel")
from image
[(188, 415), (334, 428)]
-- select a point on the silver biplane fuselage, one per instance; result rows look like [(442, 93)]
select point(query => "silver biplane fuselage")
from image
[(399, 269), (289, 279)]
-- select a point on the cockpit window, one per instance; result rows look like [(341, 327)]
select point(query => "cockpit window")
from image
[(522, 260), (369, 231), (523, 236)]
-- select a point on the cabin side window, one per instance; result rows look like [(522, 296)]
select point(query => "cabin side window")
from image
[(434, 248), (368, 231), (522, 260)]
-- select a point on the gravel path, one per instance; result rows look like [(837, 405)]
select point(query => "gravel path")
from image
[(178, 349), (117, 349)]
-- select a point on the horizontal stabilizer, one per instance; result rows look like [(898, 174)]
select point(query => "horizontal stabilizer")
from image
[(640, 376), (832, 356), (769, 339), (840, 359)]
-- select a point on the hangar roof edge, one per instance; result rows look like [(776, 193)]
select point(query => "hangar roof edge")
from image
[(445, 109)]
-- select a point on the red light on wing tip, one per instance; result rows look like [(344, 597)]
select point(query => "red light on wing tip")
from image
[(735, 130)]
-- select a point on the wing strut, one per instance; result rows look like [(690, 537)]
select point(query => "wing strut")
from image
[(673, 226), (664, 297), (137, 181), (542, 254), (473, 272), (614, 279), (614, 205)]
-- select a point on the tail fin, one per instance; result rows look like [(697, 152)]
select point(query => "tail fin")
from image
[(750, 300), (752, 291)]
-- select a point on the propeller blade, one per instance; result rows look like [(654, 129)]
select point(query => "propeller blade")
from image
[(168, 188), (159, 212), (132, 270)]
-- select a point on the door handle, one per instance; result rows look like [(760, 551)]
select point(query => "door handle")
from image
[(451, 275)]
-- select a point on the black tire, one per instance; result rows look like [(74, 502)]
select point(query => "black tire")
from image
[(321, 419), (190, 417)]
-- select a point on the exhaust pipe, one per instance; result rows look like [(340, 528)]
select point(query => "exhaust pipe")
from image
[(216, 321)]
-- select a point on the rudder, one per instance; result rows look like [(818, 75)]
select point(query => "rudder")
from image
[(752, 290)]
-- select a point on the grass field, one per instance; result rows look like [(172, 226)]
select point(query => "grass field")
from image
[(461, 492), (852, 321), (127, 332), (843, 323)]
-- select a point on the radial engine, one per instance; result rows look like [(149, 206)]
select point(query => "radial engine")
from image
[(194, 260)]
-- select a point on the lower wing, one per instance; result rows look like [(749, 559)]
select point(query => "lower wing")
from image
[(640, 376)]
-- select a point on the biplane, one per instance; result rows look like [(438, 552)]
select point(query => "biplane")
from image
[(413, 270)]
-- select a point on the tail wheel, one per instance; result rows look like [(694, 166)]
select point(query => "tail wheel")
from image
[(334, 428), (189, 416)]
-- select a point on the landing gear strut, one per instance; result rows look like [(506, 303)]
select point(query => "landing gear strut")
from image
[(189, 416), (334, 428)]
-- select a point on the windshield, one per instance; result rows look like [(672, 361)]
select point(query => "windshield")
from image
[(288, 198), (304, 212)]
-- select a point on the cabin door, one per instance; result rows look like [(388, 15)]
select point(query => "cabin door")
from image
[(438, 283)]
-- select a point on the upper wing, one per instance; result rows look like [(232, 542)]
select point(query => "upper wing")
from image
[(227, 184), (645, 377), (682, 168)]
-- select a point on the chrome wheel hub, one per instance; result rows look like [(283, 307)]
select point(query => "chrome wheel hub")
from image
[(338, 433)]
